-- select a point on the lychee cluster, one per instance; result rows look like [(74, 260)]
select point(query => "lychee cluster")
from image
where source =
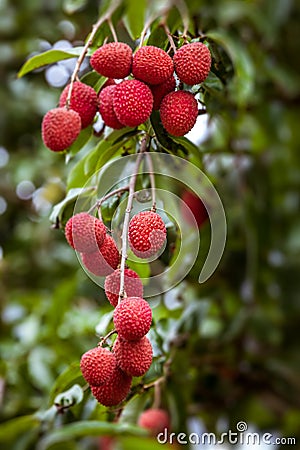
[(109, 373), (147, 83), (88, 235)]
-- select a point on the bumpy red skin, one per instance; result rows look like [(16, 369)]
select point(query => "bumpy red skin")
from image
[(179, 112), (152, 65), (84, 101), (146, 234), (197, 212), (105, 260), (161, 90), (85, 233), (133, 102), (133, 286), (106, 108), (60, 128), (133, 357), (132, 318), (115, 391), (192, 63), (112, 60), (155, 420), (98, 365)]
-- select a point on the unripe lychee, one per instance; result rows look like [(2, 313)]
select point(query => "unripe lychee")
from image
[(105, 260), (133, 357), (133, 286), (192, 63), (146, 233), (152, 65), (161, 90), (115, 390), (106, 108), (196, 212), (179, 112), (132, 318), (85, 233), (84, 101), (60, 128), (112, 60), (98, 365), (133, 102), (155, 420)]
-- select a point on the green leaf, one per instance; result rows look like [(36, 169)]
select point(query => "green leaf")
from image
[(89, 428), (70, 197), (83, 138), (135, 17), (11, 429), (192, 149), (48, 57), (65, 380)]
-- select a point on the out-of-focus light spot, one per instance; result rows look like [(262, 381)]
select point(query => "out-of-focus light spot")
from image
[(41, 205), (67, 28), (3, 205), (1, 253), (57, 76), (4, 157), (25, 189), (62, 44)]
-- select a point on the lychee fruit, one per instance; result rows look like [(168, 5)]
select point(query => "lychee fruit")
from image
[(115, 390), (159, 91), (103, 261), (192, 63), (155, 420), (146, 233), (152, 65), (133, 286), (98, 365), (133, 102), (196, 212), (106, 108), (179, 112), (84, 232), (84, 101), (133, 357), (60, 128), (132, 318), (112, 60)]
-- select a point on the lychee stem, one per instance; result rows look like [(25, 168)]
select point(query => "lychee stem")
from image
[(104, 339), (114, 5), (152, 180), (131, 193), (107, 196), (168, 33), (112, 29)]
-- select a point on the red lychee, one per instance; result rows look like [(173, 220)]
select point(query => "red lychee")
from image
[(115, 390), (152, 65), (146, 233), (105, 260), (60, 128), (133, 357), (84, 101), (133, 286), (132, 318), (155, 420), (85, 233), (197, 212), (133, 102), (192, 63), (161, 90), (112, 60), (179, 112), (98, 365), (106, 108)]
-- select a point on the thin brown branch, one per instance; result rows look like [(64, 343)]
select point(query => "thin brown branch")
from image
[(107, 196), (152, 180), (112, 29), (104, 339), (170, 37)]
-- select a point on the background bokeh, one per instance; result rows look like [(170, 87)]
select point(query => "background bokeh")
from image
[(238, 354)]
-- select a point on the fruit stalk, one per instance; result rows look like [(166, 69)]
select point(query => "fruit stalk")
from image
[(106, 17), (152, 181), (131, 192)]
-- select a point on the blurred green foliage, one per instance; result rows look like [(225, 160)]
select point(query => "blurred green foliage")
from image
[(235, 339)]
